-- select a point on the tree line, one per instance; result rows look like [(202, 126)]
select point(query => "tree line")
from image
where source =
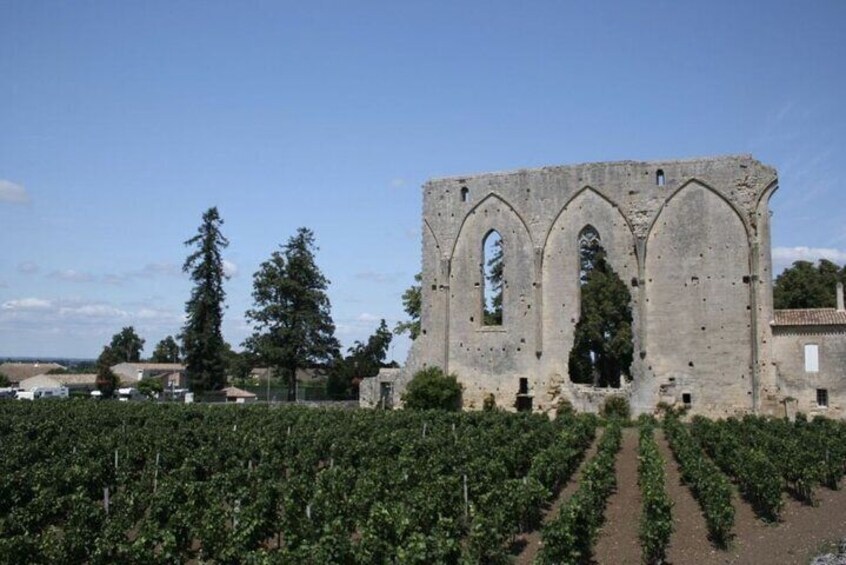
[(291, 320)]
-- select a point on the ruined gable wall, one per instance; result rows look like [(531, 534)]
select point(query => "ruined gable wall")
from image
[(711, 205)]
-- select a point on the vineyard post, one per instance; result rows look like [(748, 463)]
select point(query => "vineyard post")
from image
[(466, 501), (116, 460), (106, 499), (156, 473), (424, 429)]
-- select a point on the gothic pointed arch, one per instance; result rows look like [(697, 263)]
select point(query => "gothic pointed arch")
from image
[(697, 273), (587, 213)]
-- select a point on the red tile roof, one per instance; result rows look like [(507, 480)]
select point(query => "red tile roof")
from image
[(809, 317)]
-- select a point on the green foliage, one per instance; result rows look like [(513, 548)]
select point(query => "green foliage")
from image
[(127, 345), (431, 389), (759, 480), (201, 336), (804, 285), (656, 521), (150, 387), (616, 406), (602, 343), (710, 487), (363, 360), (570, 537), (166, 351), (412, 304), (107, 381), (4, 380), (291, 318)]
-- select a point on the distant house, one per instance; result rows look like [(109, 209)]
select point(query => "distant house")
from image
[(17, 372), (238, 396), (84, 382), (171, 375)]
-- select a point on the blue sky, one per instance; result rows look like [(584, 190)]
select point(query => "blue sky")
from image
[(120, 123)]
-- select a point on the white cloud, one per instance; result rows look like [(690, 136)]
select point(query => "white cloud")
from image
[(12, 193), (72, 275), (27, 305), (230, 269), (93, 311), (28, 267), (367, 317), (397, 183), (783, 257)]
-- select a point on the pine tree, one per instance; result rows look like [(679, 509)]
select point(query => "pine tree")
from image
[(292, 319), (202, 338)]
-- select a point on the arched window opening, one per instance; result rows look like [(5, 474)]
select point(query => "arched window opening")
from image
[(589, 247), (493, 269), (464, 193), (602, 342), (659, 177)]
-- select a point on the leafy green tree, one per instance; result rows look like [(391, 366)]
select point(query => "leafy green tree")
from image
[(166, 351), (412, 304), (107, 381), (4, 380), (494, 273), (292, 320), (150, 387), (127, 345), (431, 389), (202, 338), (363, 360), (238, 364), (602, 345), (805, 285)]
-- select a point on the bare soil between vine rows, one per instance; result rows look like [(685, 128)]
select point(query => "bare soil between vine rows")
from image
[(801, 534)]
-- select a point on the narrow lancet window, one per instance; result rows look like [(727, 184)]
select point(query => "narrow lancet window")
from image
[(464, 192), (493, 269), (659, 177), (589, 246)]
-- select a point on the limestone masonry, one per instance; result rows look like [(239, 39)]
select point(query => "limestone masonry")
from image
[(691, 239)]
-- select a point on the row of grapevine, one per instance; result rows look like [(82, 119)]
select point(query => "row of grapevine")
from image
[(656, 521), (570, 537), (110, 482), (710, 487), (517, 505), (757, 477)]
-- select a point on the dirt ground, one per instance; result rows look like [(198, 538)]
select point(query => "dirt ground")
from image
[(803, 532)]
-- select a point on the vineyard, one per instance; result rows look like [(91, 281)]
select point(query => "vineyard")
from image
[(115, 482)]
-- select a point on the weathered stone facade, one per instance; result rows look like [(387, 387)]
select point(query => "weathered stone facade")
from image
[(691, 238)]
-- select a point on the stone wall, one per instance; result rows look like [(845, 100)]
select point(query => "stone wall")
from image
[(690, 238), (793, 382)]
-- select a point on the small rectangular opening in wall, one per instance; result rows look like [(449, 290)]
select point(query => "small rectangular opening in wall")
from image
[(687, 399), (524, 386), (822, 397)]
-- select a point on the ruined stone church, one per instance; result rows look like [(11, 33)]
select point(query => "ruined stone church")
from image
[(690, 239)]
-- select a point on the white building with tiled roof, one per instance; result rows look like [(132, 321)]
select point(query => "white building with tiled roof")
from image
[(809, 353)]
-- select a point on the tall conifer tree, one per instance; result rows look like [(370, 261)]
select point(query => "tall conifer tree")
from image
[(202, 338), (292, 319)]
